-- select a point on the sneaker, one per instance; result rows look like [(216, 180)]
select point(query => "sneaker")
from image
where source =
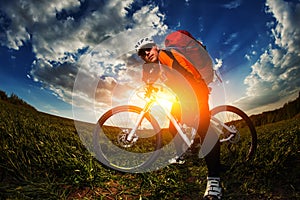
[(177, 160), (213, 189)]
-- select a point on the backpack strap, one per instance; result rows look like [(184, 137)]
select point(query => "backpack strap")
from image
[(177, 66)]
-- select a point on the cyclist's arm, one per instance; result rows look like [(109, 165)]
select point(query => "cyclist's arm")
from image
[(151, 72)]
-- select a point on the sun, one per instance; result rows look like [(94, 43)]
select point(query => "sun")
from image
[(164, 100)]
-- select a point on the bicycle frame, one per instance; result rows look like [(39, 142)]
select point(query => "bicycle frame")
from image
[(217, 124), (152, 100)]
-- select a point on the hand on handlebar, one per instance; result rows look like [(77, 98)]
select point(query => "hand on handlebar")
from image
[(149, 89)]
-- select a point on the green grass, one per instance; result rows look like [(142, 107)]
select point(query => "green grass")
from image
[(42, 157)]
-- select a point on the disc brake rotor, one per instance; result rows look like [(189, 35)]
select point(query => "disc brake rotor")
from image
[(122, 139)]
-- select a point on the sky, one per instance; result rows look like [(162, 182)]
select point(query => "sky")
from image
[(70, 58)]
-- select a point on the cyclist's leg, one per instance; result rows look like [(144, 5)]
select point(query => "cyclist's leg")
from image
[(212, 158)]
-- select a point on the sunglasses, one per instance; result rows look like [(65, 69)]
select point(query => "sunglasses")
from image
[(142, 52)]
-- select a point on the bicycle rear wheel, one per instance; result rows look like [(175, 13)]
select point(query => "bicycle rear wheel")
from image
[(111, 146), (243, 145)]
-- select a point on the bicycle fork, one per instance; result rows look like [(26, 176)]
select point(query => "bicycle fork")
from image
[(132, 136)]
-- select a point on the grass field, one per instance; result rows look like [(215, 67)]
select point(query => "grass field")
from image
[(42, 157)]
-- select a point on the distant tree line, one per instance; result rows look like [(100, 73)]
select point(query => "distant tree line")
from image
[(288, 111), (14, 99)]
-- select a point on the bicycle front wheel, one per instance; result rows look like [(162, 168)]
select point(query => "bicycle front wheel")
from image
[(112, 147), (242, 146)]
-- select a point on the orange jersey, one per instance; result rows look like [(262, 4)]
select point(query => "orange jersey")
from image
[(165, 59)]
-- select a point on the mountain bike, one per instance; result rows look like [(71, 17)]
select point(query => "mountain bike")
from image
[(129, 138)]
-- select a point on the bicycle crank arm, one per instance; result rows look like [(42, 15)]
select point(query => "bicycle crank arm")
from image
[(227, 139), (219, 125)]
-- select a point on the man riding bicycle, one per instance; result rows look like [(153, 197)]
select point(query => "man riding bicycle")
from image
[(170, 61)]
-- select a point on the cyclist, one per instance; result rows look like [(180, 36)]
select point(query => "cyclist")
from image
[(157, 60)]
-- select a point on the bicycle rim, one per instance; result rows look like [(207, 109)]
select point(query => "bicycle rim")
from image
[(111, 147), (243, 145)]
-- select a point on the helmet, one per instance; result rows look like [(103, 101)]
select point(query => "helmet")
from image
[(144, 43)]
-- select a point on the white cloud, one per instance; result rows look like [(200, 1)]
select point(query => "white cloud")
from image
[(233, 4), (287, 31), (56, 27), (28, 16), (218, 64), (149, 16), (232, 43), (248, 57), (60, 30), (275, 76), (231, 38)]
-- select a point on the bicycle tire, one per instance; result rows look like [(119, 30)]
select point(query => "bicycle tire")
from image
[(244, 149), (127, 159)]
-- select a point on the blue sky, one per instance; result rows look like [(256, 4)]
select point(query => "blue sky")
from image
[(44, 46)]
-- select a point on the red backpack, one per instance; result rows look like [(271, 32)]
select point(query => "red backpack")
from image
[(195, 52)]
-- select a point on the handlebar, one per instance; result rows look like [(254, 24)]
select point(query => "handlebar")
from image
[(149, 89)]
